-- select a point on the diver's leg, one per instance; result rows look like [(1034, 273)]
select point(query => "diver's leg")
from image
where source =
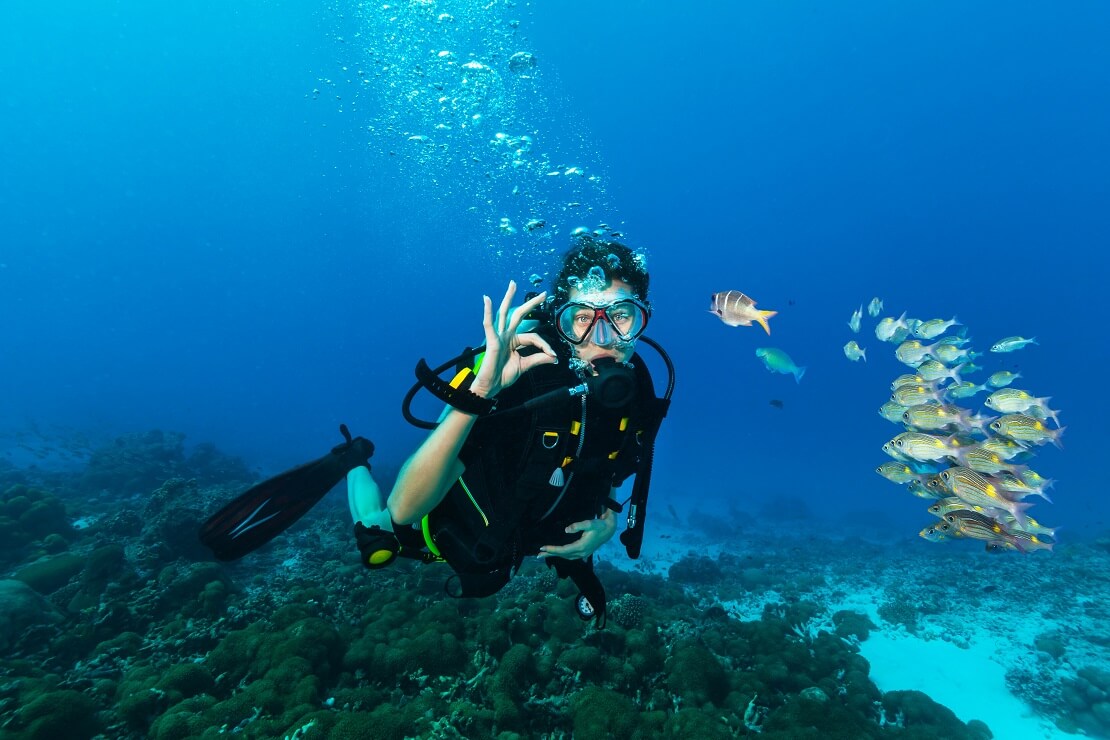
[(366, 500)]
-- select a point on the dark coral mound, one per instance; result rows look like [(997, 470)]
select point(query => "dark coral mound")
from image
[(124, 630)]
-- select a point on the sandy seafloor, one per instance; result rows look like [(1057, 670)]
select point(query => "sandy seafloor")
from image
[(136, 633), (960, 656)]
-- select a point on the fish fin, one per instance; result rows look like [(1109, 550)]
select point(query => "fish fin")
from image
[(762, 319), (1055, 437), (798, 373), (863, 352), (1019, 513)]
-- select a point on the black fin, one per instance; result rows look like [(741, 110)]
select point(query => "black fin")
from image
[(269, 508)]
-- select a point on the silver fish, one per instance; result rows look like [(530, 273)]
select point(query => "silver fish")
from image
[(1011, 344), (875, 307), (934, 328)]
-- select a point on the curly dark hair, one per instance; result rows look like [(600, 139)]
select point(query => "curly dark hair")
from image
[(616, 260)]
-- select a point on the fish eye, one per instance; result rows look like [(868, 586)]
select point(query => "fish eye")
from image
[(945, 475), (898, 442)]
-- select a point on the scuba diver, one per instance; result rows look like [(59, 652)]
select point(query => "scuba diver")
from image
[(543, 423)]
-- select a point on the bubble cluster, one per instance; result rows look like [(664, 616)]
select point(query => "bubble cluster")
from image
[(452, 93)]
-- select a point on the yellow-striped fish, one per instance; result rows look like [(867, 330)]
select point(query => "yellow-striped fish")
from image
[(934, 371), (1007, 449), (1027, 429), (923, 447), (1029, 543), (977, 490), (912, 352), (984, 461), (907, 379), (934, 327), (951, 354), (892, 330), (933, 416), (981, 527), (915, 395)]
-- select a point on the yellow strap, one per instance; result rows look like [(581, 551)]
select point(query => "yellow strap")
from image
[(460, 376), (575, 426)]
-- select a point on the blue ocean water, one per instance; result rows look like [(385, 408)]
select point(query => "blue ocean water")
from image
[(246, 222), (209, 225)]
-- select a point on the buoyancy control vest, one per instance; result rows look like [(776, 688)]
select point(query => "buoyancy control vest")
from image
[(530, 474)]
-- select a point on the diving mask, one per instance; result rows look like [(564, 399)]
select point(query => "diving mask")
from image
[(604, 324)]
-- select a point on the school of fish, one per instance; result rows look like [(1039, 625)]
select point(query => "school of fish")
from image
[(973, 468)]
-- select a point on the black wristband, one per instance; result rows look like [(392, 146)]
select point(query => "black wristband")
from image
[(459, 397)]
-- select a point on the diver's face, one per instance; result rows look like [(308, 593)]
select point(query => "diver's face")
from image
[(587, 350)]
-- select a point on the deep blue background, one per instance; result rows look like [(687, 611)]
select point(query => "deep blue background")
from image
[(192, 240)]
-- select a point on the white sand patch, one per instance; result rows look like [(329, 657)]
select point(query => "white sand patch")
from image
[(968, 681)]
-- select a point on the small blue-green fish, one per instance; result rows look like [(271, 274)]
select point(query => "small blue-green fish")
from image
[(1012, 344), (777, 361), (875, 307), (1002, 378), (965, 390), (853, 323), (934, 328), (897, 472), (854, 352), (892, 411)]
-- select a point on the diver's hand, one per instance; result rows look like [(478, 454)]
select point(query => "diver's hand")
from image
[(595, 533), (503, 364)]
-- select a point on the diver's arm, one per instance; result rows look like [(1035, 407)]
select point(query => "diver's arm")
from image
[(434, 467), (426, 477), (595, 533)]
